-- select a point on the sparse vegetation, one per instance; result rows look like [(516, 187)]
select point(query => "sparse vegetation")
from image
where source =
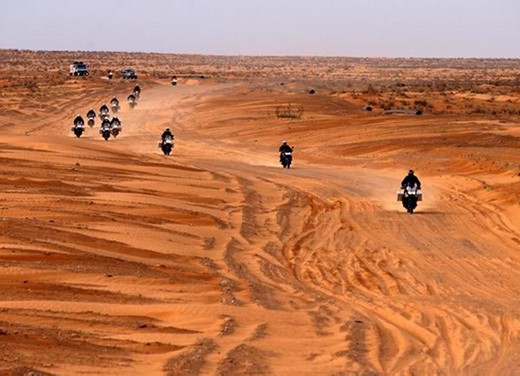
[(289, 111)]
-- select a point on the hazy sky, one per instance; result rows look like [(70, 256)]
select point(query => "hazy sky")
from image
[(408, 28)]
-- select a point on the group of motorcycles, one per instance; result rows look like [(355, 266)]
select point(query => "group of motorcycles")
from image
[(109, 127), (409, 194)]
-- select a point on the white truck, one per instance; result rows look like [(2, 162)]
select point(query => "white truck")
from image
[(78, 68)]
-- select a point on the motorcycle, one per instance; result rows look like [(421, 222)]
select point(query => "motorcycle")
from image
[(286, 159), (105, 132), (115, 105), (132, 100), (116, 127), (166, 145), (103, 114), (78, 129), (91, 115), (409, 196)]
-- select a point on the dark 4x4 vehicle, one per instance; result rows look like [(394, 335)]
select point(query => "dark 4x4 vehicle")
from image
[(128, 74)]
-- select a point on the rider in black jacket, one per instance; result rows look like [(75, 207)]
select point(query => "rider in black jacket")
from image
[(91, 113), (106, 124), (411, 180), (166, 133), (284, 148), (79, 120), (115, 122)]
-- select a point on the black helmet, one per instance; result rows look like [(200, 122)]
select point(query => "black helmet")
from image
[(410, 172)]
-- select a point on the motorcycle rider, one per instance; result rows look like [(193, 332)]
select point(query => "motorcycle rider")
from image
[(166, 133), (106, 124), (115, 122), (103, 108), (131, 97), (284, 148), (91, 114), (78, 121), (114, 102), (137, 89), (411, 180)]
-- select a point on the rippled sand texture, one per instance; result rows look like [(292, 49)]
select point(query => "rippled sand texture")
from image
[(118, 260)]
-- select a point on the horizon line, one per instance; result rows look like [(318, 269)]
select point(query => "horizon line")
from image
[(266, 56)]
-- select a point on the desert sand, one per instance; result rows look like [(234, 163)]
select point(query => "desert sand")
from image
[(117, 260)]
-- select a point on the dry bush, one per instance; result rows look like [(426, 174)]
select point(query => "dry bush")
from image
[(289, 111), (420, 103)]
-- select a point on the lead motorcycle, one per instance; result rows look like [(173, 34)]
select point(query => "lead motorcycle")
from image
[(410, 195), (166, 145), (286, 159)]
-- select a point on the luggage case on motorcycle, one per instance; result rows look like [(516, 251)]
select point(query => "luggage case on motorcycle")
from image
[(400, 194)]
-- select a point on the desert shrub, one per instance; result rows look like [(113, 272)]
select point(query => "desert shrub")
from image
[(32, 85), (289, 111), (388, 105), (480, 110), (370, 90)]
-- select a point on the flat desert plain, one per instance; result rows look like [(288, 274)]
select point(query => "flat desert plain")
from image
[(118, 260)]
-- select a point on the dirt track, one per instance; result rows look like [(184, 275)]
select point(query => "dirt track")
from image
[(215, 260)]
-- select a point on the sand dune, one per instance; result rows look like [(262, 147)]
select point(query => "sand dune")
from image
[(215, 260)]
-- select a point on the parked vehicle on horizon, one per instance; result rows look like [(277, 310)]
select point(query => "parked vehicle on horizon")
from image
[(78, 68), (128, 73)]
